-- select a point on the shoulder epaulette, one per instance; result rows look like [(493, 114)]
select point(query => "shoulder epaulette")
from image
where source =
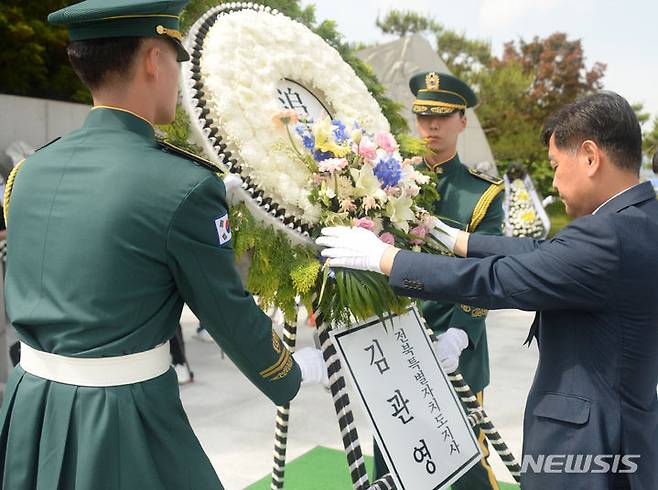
[(487, 177), (10, 181), (483, 204), (188, 155)]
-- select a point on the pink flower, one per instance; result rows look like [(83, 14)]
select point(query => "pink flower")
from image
[(416, 160), (284, 118), (419, 233), (387, 238), (332, 164), (386, 141), (366, 223), (367, 149)]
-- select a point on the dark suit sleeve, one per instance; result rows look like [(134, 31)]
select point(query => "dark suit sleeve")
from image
[(204, 271), (480, 246), (468, 318), (577, 269), (486, 241)]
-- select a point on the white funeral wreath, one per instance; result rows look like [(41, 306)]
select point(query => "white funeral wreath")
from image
[(240, 52)]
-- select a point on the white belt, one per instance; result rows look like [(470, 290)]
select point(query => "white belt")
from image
[(98, 371)]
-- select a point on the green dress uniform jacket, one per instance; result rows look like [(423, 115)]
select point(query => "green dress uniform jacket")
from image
[(470, 201), (111, 233)]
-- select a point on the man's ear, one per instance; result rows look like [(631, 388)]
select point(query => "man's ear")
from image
[(464, 121), (590, 155), (150, 57)]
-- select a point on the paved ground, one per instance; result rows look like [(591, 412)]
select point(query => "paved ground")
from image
[(235, 422)]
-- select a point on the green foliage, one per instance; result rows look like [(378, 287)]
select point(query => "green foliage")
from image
[(411, 146), (33, 60), (403, 22), (347, 293), (465, 58), (178, 132), (559, 217), (279, 271), (650, 140)]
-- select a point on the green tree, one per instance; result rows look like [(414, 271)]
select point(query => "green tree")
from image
[(463, 56), (403, 22), (33, 58), (650, 140)]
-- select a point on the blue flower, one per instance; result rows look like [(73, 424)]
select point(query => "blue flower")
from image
[(307, 137), (340, 132), (388, 170), (322, 155)]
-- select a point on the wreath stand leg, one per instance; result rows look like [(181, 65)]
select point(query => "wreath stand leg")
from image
[(477, 415), (282, 417), (355, 461)]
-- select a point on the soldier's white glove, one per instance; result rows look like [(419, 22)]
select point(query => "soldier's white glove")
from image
[(232, 183), (352, 248), (445, 234), (311, 363), (449, 346)]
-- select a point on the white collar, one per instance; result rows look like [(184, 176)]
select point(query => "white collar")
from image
[(615, 196)]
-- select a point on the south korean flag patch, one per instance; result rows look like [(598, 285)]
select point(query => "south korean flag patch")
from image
[(223, 229)]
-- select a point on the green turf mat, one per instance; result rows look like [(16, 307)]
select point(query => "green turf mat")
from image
[(322, 468)]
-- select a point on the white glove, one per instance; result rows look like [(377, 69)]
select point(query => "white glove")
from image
[(449, 345), (445, 234), (311, 363), (352, 248), (232, 183)]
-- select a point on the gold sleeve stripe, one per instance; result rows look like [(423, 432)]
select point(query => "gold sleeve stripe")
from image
[(8, 189), (285, 370), (483, 204), (277, 366)]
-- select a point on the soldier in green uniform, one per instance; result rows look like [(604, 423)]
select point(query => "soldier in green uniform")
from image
[(471, 201), (111, 231)]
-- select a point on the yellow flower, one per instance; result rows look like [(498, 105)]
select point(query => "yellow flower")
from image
[(324, 139), (523, 196), (528, 216)]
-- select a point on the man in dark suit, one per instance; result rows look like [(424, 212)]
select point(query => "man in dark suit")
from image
[(594, 286)]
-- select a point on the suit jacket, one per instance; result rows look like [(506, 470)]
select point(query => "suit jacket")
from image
[(595, 288)]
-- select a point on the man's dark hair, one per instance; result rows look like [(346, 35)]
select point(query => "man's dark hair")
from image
[(94, 59), (605, 118), (654, 163)]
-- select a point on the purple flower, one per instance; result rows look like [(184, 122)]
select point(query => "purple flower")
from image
[(388, 171)]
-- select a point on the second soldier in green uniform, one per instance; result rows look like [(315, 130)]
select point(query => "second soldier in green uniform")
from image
[(470, 201)]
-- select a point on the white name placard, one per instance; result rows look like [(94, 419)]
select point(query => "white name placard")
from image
[(418, 421)]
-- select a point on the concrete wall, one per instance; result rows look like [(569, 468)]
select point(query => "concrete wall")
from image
[(36, 121)]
